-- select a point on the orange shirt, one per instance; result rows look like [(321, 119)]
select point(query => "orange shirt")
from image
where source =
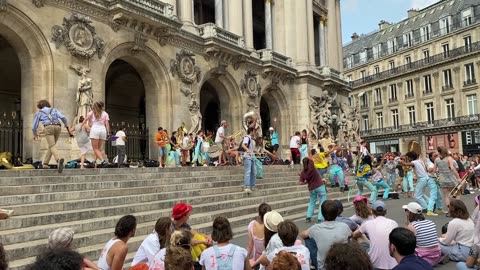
[(161, 139)]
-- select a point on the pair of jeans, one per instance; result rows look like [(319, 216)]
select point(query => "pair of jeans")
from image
[(249, 172), (303, 151), (121, 151), (175, 156), (463, 266), (319, 194), (337, 171), (385, 186), (311, 245), (364, 182), (391, 179), (408, 182), (457, 252), (422, 183)]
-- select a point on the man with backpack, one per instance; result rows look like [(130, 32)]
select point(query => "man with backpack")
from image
[(50, 119), (248, 160)]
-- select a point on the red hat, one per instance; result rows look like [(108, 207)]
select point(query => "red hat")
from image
[(180, 210)]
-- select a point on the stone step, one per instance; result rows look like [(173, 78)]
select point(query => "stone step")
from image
[(150, 194), (26, 194), (91, 243)]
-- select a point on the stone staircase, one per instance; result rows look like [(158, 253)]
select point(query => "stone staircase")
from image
[(91, 202)]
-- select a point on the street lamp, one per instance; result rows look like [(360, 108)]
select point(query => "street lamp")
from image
[(333, 121)]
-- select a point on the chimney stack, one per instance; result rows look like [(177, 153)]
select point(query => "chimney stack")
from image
[(383, 24), (412, 12), (355, 37)]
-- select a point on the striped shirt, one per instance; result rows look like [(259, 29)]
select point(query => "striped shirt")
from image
[(426, 233)]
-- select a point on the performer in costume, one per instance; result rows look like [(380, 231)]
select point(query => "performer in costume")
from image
[(362, 171)]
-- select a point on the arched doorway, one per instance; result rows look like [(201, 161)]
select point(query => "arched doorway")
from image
[(125, 103), (267, 119), (210, 107), (10, 100)]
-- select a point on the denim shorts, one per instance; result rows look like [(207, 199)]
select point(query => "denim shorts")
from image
[(162, 151)]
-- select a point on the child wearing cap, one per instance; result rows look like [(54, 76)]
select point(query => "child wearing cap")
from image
[(425, 232)]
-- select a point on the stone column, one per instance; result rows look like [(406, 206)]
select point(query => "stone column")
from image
[(301, 38), (268, 24), (289, 28), (219, 13), (248, 23), (332, 35), (321, 43), (278, 26), (339, 37), (185, 12), (235, 22), (311, 34)]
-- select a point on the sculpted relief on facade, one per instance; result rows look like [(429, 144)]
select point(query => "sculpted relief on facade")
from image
[(184, 67), (249, 84), (319, 111), (79, 37)]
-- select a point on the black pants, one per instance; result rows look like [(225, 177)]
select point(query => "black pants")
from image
[(121, 150)]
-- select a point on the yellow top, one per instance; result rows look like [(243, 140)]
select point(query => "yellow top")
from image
[(319, 160)]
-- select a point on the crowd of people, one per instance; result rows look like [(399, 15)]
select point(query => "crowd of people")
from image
[(368, 240)]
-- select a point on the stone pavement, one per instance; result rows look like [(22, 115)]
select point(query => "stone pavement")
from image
[(394, 211)]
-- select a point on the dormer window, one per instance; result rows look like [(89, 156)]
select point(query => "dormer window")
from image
[(408, 39), (445, 24), (425, 32), (467, 17)]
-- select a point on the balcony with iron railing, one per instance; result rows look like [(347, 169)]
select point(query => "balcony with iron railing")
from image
[(423, 126), (469, 82)]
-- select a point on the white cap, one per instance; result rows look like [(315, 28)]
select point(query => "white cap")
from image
[(413, 207), (271, 128)]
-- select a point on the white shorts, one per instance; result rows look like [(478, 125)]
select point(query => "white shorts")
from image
[(98, 132)]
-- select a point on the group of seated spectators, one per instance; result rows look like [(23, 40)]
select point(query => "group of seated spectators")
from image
[(367, 240)]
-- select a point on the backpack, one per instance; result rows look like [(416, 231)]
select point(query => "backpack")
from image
[(240, 148), (227, 263)]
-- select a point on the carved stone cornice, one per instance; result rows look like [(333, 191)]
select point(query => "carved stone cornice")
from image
[(3, 5), (417, 79), (456, 69), (79, 37), (384, 88), (399, 84), (39, 3), (435, 74)]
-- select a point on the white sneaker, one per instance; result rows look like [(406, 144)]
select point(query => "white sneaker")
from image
[(206, 165), (193, 165), (470, 188), (247, 190)]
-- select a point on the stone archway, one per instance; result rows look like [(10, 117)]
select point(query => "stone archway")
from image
[(220, 93), (26, 42), (148, 78)]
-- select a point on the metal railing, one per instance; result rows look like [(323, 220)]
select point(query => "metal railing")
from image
[(137, 144), (419, 126), (11, 136), (153, 8)]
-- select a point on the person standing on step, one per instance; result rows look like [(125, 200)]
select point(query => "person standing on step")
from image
[(337, 170), (390, 166), (50, 118), (274, 145), (174, 150), (362, 171), (99, 129), (161, 138), (115, 251), (83, 141), (304, 147), (316, 187), (249, 161), (377, 178), (219, 138), (120, 145), (294, 144), (319, 161)]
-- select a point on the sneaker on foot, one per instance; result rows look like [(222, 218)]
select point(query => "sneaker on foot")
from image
[(60, 165), (247, 190), (342, 189), (308, 220), (346, 188), (45, 166), (440, 212), (430, 213)]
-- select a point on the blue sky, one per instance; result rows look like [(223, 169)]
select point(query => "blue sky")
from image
[(363, 16)]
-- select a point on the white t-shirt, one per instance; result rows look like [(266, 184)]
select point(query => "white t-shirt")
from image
[(219, 139), (120, 134), (208, 258), (378, 230), (185, 141), (294, 141), (248, 141), (149, 247), (158, 261), (301, 252)]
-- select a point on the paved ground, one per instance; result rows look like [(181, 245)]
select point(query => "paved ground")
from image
[(394, 211)]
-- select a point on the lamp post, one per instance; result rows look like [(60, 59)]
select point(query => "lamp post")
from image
[(333, 121)]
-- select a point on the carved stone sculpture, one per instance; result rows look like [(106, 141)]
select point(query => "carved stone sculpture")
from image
[(195, 114), (84, 95), (252, 119), (320, 110), (139, 45), (38, 3), (249, 84), (184, 66), (79, 37)]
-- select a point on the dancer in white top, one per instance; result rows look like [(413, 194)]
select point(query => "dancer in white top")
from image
[(114, 253), (99, 129)]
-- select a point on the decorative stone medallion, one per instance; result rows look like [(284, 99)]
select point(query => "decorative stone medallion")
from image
[(249, 84), (79, 37), (184, 66)]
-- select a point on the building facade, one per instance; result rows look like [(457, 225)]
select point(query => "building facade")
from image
[(163, 63), (416, 80)]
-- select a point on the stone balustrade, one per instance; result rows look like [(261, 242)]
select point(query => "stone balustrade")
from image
[(210, 30)]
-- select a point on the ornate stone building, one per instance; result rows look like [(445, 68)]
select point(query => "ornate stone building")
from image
[(416, 80), (161, 63)]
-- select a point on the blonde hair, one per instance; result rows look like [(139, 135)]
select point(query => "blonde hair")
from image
[(181, 238), (98, 109)]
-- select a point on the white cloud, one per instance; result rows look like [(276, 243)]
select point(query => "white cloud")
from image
[(419, 4), (350, 5)]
